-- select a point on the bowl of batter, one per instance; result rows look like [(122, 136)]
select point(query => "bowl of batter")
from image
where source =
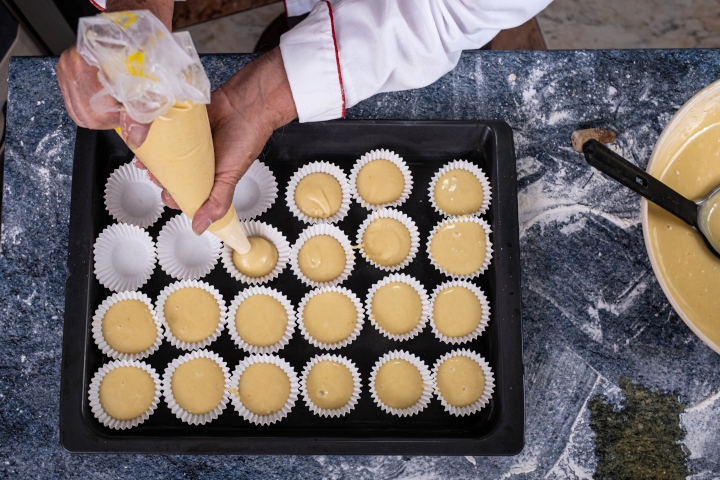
[(686, 157)]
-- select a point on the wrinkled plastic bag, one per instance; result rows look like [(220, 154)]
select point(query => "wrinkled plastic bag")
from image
[(142, 65)]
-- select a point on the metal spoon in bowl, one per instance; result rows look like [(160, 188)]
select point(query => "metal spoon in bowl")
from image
[(696, 214)]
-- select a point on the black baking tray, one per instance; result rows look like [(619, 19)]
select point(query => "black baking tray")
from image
[(498, 429)]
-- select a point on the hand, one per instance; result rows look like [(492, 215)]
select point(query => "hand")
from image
[(243, 114)]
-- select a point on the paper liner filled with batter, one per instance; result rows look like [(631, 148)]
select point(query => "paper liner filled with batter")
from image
[(289, 403), (184, 255), (357, 386), (428, 384), (94, 395), (256, 192), (406, 221), (271, 292), (489, 383), (160, 309), (272, 235), (381, 154), (130, 197), (98, 331), (124, 257), (358, 324), (176, 409), (483, 321), (319, 167), (488, 247), (337, 234), (477, 172), (415, 284)]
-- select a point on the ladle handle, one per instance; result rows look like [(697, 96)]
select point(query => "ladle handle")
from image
[(639, 181)]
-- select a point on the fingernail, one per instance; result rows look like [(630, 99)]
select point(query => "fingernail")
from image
[(203, 226), (165, 194), (136, 134)]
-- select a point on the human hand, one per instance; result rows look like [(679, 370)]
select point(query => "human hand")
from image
[(243, 114)]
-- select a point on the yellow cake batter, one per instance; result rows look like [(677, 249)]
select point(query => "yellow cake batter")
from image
[(330, 317), (689, 162), (399, 384), (128, 327), (380, 182), (198, 385), (329, 385), (709, 219), (126, 392), (460, 380), (259, 261), (318, 195), (397, 308), (322, 258), (457, 312), (264, 388), (179, 151), (192, 314), (459, 192), (261, 320), (386, 242), (459, 247)]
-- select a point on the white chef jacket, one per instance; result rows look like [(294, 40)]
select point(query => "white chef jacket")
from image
[(348, 50)]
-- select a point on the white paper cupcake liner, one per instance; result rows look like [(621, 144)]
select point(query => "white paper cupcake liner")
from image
[(390, 156), (94, 395), (241, 297), (337, 234), (130, 197), (98, 333), (289, 404), (489, 383), (124, 257), (488, 247), (426, 312), (472, 168), (184, 415), (406, 221), (184, 255), (256, 192), (483, 321), (429, 385), (337, 412), (160, 309), (319, 167), (272, 235), (358, 325)]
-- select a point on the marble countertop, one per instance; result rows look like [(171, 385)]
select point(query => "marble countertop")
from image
[(606, 357)]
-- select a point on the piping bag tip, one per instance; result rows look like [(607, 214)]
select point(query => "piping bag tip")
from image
[(234, 236)]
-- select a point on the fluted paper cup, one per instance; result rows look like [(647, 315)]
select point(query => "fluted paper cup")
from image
[(488, 247), (428, 388), (272, 235), (130, 197), (358, 324), (472, 168), (483, 321), (289, 404), (337, 234), (256, 192), (160, 309), (94, 395), (176, 409), (271, 292), (124, 257), (357, 386), (184, 255), (319, 167), (98, 331), (489, 383), (406, 221), (381, 154), (407, 279)]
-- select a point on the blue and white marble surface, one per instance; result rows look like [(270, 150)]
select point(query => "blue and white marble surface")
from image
[(593, 311)]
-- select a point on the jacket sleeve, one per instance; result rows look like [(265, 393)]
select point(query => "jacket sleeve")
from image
[(349, 50)]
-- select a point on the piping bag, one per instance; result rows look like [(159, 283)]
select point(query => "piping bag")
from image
[(157, 77)]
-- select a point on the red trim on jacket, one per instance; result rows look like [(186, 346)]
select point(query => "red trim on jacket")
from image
[(337, 56), (97, 6)]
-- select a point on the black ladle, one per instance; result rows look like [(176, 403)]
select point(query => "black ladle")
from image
[(639, 181)]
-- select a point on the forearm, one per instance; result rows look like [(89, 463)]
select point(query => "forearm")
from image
[(162, 9)]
